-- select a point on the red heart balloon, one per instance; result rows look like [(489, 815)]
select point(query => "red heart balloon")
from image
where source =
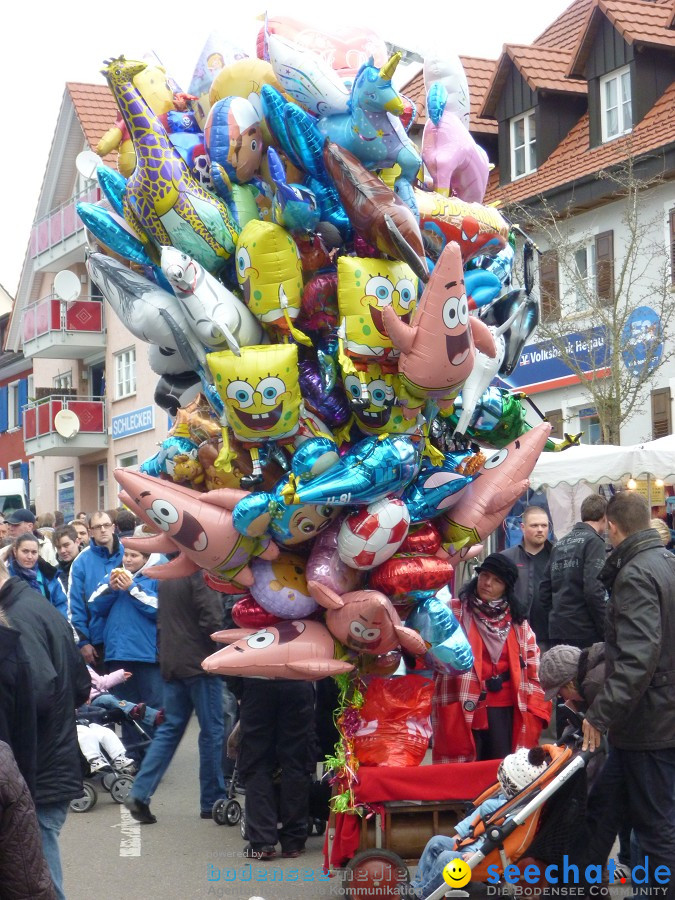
[(248, 613), (424, 538)]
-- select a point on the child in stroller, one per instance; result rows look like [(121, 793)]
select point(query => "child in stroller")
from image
[(515, 772), (100, 696)]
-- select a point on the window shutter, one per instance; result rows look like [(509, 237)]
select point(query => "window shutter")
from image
[(4, 391), (549, 286), (604, 267), (555, 418), (671, 216), (661, 421), (23, 398)]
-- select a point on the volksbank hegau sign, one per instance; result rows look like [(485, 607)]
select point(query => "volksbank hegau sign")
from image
[(133, 422), (541, 367)]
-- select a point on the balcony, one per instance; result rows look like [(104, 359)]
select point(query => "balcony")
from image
[(56, 238), (54, 329), (40, 435)]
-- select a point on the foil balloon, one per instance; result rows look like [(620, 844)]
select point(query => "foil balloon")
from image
[(264, 512), (449, 649), (241, 465), (196, 526), (171, 449), (446, 69), (174, 391), (320, 303), (438, 348), (163, 201), (422, 539), (331, 406), (383, 665), (325, 566), (373, 395), (478, 230), (269, 273), (372, 535), (405, 578), (517, 316), (365, 621), (500, 482), (307, 77), (295, 207), (375, 211), (280, 586), (248, 613), (197, 420), (113, 184), (300, 651), (234, 142), (482, 287), (370, 470), (113, 232)]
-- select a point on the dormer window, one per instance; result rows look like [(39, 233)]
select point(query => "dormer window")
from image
[(523, 145), (615, 104)]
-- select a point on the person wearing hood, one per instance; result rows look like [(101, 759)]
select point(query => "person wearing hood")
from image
[(26, 563), (125, 601)]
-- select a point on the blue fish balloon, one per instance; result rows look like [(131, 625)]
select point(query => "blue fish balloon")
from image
[(449, 651)]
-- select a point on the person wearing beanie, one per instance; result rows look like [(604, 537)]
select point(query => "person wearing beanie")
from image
[(497, 706), (515, 773)]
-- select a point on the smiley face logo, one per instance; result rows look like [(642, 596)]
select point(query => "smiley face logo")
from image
[(457, 873)]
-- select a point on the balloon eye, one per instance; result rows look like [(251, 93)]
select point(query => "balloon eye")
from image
[(163, 514), (241, 393), (243, 261), (463, 312), (260, 640), (254, 145), (497, 459), (353, 385), (378, 392), (406, 290), (356, 629), (451, 312), (371, 634), (269, 389)]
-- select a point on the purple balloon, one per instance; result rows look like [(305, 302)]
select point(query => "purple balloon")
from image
[(325, 566), (332, 408)]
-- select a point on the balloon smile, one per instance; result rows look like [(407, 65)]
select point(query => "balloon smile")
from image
[(373, 419), (260, 421), (456, 355), (191, 535)]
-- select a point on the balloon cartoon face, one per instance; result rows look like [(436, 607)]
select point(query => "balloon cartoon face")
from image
[(269, 272), (365, 288), (233, 137), (281, 587), (259, 389), (381, 416)]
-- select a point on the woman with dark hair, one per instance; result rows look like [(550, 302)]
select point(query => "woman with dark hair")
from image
[(26, 563), (498, 705)]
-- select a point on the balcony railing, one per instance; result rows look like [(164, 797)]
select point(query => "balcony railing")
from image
[(60, 223), (54, 329), (40, 434)]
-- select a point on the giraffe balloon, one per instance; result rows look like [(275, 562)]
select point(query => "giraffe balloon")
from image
[(163, 203)]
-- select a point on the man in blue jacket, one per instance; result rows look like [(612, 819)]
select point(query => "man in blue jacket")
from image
[(96, 562)]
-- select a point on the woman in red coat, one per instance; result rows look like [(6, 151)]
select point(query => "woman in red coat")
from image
[(498, 705)]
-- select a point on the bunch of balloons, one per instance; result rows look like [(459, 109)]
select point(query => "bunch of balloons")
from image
[(325, 328)]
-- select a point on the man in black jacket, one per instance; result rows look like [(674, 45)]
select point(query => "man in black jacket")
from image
[(18, 721), (60, 684), (636, 705), (572, 591)]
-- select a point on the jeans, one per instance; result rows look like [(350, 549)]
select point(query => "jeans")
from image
[(439, 851), (636, 786), (146, 684), (51, 817), (109, 701), (231, 711), (204, 695)]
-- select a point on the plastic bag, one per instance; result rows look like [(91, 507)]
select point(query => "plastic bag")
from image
[(395, 722)]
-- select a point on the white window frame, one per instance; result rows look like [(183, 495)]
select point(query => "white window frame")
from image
[(583, 298), (31, 388), (529, 145), (123, 460), (31, 480), (63, 474), (102, 485), (13, 406), (624, 108), (10, 467), (63, 381), (125, 373)]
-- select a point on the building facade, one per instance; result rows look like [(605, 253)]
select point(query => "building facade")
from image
[(16, 385)]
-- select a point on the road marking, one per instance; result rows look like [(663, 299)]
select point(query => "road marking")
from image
[(130, 834)]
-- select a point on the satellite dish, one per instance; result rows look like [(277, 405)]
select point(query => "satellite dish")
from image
[(67, 286), (67, 424), (87, 163)]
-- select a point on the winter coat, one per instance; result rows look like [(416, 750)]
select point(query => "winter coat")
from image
[(189, 612), (24, 874), (527, 587), (591, 672), (87, 571), (101, 684), (18, 722), (637, 701), (48, 581), (572, 592), (60, 684), (457, 697), (129, 617)]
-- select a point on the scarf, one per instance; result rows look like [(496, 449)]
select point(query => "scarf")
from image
[(30, 576), (493, 621)]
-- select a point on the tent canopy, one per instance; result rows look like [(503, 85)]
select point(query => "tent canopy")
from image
[(606, 464)]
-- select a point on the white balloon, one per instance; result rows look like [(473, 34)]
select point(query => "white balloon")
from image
[(306, 77), (448, 69)]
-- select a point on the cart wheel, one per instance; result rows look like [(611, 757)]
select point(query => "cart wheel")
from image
[(242, 826), (218, 811), (375, 873), (233, 812), (87, 801), (319, 826), (120, 788)]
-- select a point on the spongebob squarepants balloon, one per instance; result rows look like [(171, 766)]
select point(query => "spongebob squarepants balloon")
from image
[(261, 395), (382, 415), (365, 288), (269, 272)]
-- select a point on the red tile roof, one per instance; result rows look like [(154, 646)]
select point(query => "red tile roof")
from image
[(574, 158), (542, 68), (479, 74), (564, 32), (96, 110), (637, 21)]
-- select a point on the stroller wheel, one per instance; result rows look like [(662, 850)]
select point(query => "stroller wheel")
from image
[(316, 826), (218, 812), (107, 780), (233, 812), (376, 873), (120, 788), (87, 801), (242, 826)]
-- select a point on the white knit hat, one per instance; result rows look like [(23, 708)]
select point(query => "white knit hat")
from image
[(519, 769)]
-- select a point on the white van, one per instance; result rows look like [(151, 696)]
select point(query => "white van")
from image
[(12, 495)]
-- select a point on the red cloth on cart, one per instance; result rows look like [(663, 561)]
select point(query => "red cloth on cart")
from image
[(378, 784)]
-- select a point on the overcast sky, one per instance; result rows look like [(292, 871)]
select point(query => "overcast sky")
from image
[(46, 44)]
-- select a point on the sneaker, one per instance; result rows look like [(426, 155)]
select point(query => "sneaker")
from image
[(622, 874), (140, 811), (138, 711), (267, 851), (160, 718), (292, 854), (98, 764)]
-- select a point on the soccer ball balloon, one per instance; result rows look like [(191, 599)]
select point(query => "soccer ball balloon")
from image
[(372, 535)]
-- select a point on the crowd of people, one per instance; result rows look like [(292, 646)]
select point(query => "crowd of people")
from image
[(589, 621)]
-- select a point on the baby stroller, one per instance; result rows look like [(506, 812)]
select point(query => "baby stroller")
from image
[(117, 784)]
